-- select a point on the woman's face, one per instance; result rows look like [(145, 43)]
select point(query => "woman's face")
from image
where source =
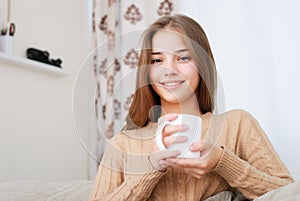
[(173, 72)]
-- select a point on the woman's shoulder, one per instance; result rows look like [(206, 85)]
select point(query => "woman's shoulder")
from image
[(231, 124), (234, 115), (238, 114)]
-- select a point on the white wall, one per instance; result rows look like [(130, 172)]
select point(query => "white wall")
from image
[(256, 47), (38, 139)]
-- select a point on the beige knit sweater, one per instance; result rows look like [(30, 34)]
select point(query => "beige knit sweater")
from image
[(249, 163)]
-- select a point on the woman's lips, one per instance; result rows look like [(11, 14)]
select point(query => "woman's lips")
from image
[(171, 85)]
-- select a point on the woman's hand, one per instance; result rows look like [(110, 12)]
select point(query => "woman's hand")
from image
[(197, 167), (167, 132), (158, 158)]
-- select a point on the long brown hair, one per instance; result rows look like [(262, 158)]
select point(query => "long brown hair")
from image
[(145, 100)]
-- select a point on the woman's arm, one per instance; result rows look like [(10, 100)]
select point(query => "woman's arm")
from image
[(247, 161), (114, 181), (109, 186), (255, 168)]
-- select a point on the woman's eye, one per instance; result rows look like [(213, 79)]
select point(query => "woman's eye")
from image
[(153, 61), (184, 59)]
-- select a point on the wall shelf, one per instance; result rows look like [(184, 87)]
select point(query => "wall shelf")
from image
[(31, 64)]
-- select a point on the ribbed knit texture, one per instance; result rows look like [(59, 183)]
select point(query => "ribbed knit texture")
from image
[(249, 163)]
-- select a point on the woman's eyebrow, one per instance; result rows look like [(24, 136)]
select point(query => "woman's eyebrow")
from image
[(181, 50), (177, 51), (154, 53)]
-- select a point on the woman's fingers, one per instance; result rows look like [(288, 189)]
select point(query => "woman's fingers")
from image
[(170, 129), (200, 146), (155, 158), (185, 162), (163, 163), (171, 116), (192, 167), (167, 117), (169, 137), (169, 154), (162, 155), (172, 139)]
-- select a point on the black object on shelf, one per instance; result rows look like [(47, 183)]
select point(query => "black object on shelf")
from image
[(42, 56)]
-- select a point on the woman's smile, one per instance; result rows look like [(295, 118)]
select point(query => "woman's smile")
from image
[(172, 85)]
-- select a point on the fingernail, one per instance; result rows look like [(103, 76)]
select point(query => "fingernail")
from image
[(192, 147), (185, 127), (161, 163), (173, 115)]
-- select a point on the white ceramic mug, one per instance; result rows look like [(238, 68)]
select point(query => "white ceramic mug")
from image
[(193, 134)]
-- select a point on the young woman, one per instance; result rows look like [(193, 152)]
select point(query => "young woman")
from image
[(176, 75)]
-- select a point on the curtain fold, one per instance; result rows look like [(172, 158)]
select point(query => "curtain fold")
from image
[(117, 28)]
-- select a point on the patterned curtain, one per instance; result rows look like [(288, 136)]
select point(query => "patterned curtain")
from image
[(117, 27)]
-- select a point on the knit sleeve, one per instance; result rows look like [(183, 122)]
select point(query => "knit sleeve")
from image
[(253, 166), (113, 182)]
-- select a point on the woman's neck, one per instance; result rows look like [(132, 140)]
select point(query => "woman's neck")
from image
[(189, 107)]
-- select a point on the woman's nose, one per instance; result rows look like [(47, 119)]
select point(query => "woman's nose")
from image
[(170, 68)]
